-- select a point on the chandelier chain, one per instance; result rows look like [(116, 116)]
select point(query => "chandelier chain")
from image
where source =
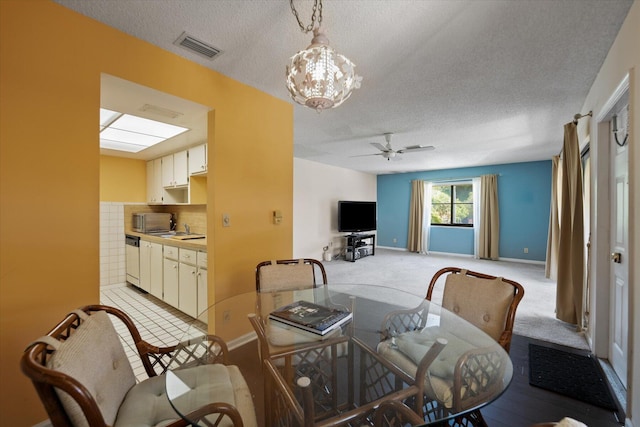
[(317, 10)]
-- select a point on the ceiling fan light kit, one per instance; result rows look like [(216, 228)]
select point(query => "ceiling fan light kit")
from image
[(319, 77)]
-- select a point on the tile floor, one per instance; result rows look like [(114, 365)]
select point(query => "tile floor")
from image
[(158, 323)]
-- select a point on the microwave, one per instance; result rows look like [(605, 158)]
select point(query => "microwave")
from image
[(151, 222)]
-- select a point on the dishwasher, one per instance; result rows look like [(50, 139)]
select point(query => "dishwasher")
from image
[(132, 253)]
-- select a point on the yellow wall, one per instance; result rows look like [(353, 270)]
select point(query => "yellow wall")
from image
[(50, 176), (122, 180)]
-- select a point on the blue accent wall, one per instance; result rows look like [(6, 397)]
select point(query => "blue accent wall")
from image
[(524, 194)]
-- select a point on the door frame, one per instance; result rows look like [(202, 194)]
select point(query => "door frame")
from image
[(601, 298)]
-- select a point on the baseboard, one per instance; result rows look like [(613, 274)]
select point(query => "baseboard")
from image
[(45, 423), (452, 254), (241, 340), (525, 261)]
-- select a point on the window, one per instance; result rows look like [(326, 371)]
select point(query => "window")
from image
[(452, 204)]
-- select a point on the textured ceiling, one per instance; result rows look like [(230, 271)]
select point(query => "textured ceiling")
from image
[(485, 82)]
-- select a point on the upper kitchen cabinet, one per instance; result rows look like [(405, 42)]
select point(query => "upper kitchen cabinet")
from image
[(175, 170), (198, 160), (154, 181)]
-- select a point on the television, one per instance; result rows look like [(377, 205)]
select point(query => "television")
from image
[(354, 216)]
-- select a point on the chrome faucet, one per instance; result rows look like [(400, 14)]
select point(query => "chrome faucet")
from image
[(187, 229)]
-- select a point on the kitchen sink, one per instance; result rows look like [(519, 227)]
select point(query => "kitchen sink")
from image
[(177, 235)]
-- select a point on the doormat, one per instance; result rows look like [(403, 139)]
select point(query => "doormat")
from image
[(573, 375)]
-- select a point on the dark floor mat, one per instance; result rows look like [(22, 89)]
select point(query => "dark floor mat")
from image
[(574, 375)]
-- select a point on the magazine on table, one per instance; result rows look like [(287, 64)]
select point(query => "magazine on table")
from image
[(311, 317)]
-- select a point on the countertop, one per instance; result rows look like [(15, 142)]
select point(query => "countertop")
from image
[(196, 244)]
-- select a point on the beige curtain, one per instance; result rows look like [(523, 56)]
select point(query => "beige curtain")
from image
[(416, 211), (489, 218), (569, 292), (551, 269)]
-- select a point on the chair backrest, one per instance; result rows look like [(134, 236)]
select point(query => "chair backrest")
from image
[(488, 302), (80, 369), (288, 274)]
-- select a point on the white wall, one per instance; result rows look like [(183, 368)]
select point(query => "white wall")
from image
[(623, 58), (316, 190)]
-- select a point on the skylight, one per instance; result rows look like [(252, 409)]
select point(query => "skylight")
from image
[(124, 132)]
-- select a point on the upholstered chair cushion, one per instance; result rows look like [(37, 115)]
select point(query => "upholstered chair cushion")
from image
[(94, 356), (407, 349), (147, 404), (282, 276), (483, 302)]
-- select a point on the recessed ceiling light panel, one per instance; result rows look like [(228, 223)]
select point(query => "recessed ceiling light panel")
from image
[(117, 130)]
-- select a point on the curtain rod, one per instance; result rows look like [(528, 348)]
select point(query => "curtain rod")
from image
[(578, 116), (437, 180)]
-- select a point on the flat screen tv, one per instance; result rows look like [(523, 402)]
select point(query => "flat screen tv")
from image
[(354, 217)]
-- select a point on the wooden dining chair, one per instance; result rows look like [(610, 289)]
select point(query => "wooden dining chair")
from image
[(393, 413), (289, 273), (489, 303), (83, 377)]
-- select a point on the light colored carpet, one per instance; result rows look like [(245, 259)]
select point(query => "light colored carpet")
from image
[(412, 272)]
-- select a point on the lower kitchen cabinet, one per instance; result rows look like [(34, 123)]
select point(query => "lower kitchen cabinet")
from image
[(171, 277), (151, 268), (188, 284), (185, 279), (203, 302)]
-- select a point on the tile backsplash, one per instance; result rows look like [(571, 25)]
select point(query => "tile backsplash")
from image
[(112, 252), (194, 215)]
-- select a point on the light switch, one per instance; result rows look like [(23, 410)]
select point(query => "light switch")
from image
[(226, 220), (277, 217)]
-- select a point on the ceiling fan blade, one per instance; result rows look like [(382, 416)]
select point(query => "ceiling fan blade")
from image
[(416, 148), (367, 155), (380, 146)]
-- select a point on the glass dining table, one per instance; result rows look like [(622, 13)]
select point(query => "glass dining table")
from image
[(396, 347)]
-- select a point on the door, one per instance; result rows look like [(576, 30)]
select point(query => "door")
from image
[(619, 271)]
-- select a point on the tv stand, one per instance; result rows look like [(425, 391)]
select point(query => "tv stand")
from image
[(360, 246)]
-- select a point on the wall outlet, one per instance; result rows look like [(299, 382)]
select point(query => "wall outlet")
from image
[(226, 220), (526, 250), (226, 317)]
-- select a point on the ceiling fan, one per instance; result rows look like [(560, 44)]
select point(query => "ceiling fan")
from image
[(389, 153)]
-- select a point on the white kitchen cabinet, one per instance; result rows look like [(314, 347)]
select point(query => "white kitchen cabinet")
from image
[(185, 279), (203, 302), (198, 160), (154, 181), (151, 268), (188, 286), (175, 170), (171, 276), (167, 171)]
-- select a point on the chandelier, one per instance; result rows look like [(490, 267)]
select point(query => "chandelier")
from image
[(318, 77)]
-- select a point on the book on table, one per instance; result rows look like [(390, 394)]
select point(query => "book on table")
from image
[(311, 317)]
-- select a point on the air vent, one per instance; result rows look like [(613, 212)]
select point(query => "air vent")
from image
[(196, 46), (160, 111)]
